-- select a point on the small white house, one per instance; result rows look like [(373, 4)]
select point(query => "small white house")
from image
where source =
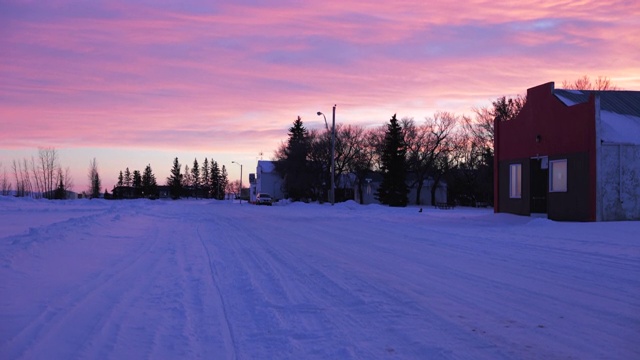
[(268, 180)]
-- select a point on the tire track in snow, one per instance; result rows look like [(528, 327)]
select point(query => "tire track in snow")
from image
[(365, 297), (301, 306), (62, 313), (242, 282), (472, 280), (213, 276)]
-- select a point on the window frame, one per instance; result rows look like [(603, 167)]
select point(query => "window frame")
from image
[(515, 189), (565, 184)]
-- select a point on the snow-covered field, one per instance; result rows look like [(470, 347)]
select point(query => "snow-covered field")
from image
[(214, 280)]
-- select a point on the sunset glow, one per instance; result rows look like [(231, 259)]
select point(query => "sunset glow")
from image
[(133, 83)]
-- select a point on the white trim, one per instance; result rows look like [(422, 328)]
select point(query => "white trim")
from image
[(558, 179), (515, 188)]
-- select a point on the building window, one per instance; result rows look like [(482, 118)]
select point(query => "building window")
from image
[(515, 181), (558, 175)]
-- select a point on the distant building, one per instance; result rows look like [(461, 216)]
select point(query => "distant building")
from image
[(65, 195), (124, 192), (267, 180), (374, 179), (252, 188), (573, 155)]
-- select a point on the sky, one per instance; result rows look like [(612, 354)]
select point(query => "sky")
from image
[(132, 83)]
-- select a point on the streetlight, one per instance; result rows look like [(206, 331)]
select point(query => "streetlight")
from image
[(333, 153), (240, 192)]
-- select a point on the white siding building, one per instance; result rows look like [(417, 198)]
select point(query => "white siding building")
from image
[(268, 180)]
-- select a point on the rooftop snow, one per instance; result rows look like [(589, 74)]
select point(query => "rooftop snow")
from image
[(619, 112), (266, 166), (620, 128)]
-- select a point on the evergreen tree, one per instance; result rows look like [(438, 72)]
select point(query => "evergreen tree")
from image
[(505, 109), (393, 190), (137, 182), (120, 179), (223, 181), (95, 186), (60, 193), (149, 184), (127, 178), (206, 179), (186, 177), (293, 164), (174, 181), (215, 180), (94, 179), (195, 177)]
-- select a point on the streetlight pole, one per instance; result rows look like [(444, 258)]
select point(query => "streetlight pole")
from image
[(333, 157), (332, 193), (240, 192)]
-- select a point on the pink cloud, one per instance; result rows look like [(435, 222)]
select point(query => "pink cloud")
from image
[(232, 77)]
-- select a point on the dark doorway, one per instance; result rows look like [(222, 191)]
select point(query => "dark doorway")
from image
[(539, 184)]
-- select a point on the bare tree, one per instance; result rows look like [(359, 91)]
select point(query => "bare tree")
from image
[(475, 161), (38, 180), (429, 147), (39, 177), (363, 159), (233, 187), (45, 169), (584, 83), (349, 142), (5, 183), (481, 126), (319, 162), (17, 173), (23, 178), (375, 141)]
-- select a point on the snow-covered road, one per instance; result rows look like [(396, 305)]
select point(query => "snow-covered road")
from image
[(214, 280)]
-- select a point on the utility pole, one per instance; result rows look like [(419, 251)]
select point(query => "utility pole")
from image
[(332, 191), (333, 157)]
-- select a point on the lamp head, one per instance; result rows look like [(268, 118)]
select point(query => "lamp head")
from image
[(319, 113)]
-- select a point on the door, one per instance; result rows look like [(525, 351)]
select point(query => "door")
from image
[(539, 184)]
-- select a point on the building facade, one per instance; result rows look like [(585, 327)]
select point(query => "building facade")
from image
[(573, 155), (267, 180)]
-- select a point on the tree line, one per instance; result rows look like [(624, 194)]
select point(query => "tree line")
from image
[(445, 147), (44, 177), (38, 177), (406, 153), (209, 181)]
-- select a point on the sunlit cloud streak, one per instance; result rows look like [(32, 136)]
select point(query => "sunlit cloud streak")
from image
[(231, 76)]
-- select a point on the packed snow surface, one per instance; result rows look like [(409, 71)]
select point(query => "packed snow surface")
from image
[(199, 279)]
